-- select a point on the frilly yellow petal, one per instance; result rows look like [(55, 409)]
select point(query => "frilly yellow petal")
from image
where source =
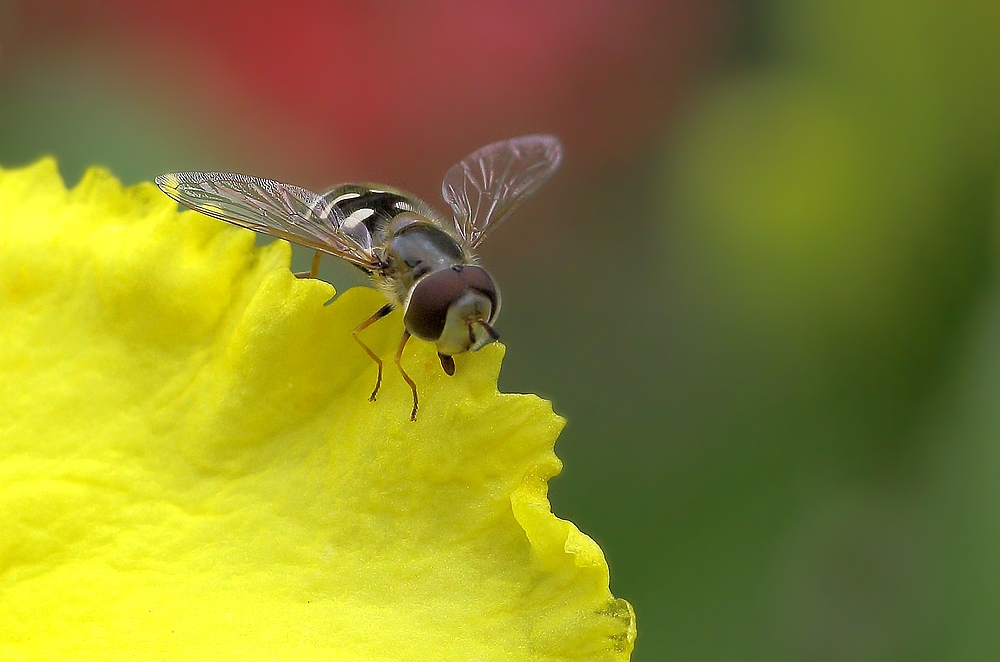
[(190, 467)]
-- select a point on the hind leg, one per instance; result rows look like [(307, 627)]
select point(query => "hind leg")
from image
[(314, 270)]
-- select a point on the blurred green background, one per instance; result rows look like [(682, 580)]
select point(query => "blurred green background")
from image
[(763, 288)]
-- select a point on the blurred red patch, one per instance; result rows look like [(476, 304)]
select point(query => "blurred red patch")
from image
[(394, 88)]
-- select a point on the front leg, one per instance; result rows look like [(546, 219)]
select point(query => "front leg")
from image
[(447, 363), (379, 314), (406, 377)]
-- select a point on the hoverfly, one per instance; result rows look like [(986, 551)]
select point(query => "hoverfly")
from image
[(420, 262)]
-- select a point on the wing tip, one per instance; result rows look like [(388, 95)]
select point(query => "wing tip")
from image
[(167, 182), (553, 146), (548, 143)]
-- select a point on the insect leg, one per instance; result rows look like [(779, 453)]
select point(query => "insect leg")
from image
[(379, 314), (314, 270), (413, 386), (448, 363)]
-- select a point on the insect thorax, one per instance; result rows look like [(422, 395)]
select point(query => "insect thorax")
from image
[(405, 231), (415, 247)]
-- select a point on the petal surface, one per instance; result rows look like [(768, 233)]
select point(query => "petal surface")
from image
[(190, 467)]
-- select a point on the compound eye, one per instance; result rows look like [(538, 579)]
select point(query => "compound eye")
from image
[(478, 279), (427, 310)]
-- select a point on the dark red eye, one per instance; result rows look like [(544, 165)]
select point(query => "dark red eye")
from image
[(477, 279), (427, 311)]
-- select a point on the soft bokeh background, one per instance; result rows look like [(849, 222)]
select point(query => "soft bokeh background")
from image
[(763, 289)]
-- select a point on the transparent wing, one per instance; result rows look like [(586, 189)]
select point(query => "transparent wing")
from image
[(280, 210), (487, 185)]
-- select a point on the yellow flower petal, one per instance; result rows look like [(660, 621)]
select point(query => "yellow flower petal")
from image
[(190, 467)]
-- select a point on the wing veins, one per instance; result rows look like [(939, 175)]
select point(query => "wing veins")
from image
[(495, 180), (274, 208)]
